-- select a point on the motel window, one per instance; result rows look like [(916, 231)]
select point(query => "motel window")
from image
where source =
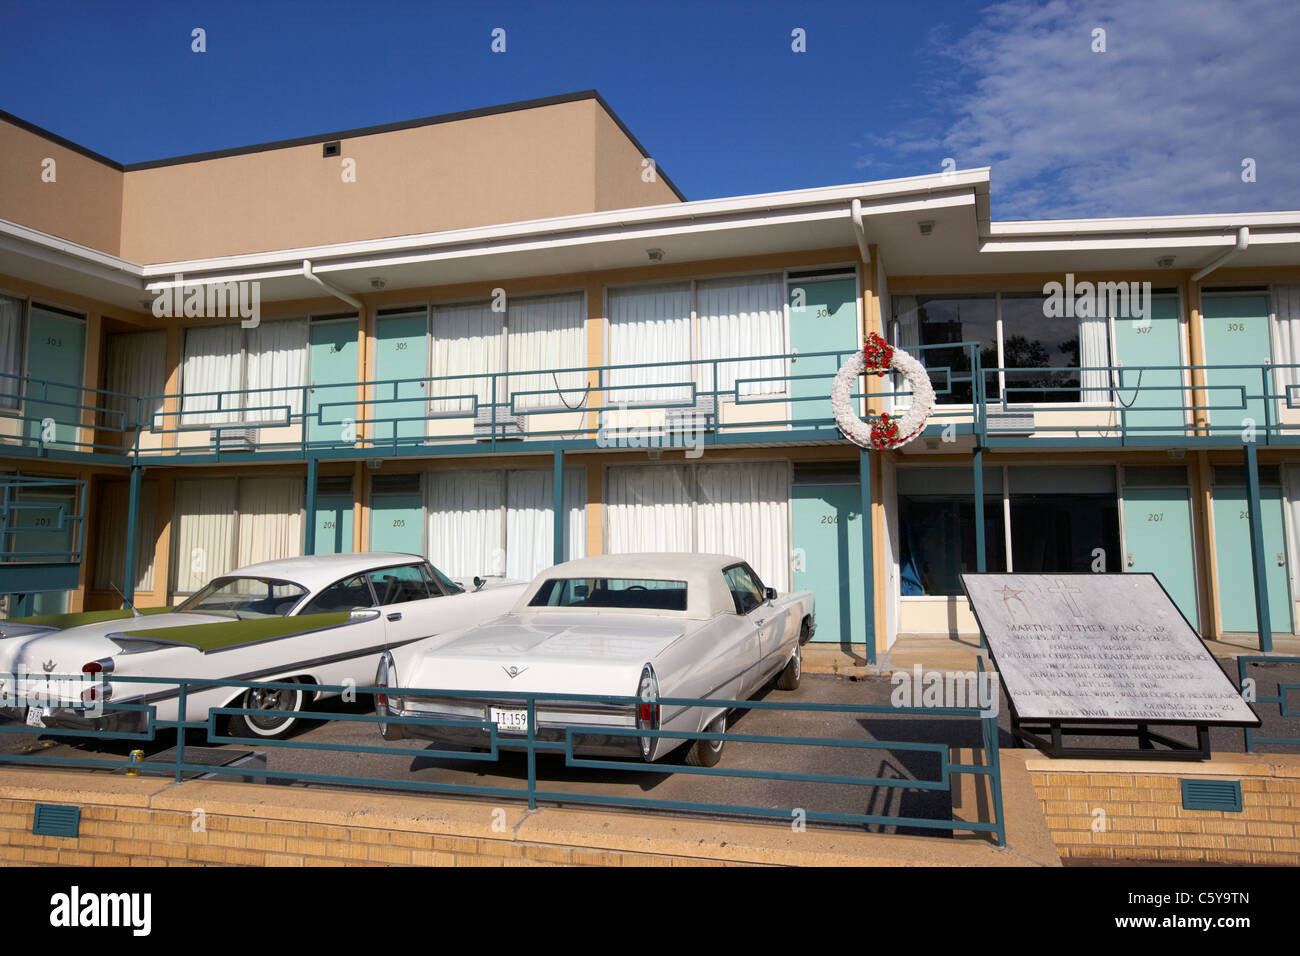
[(226, 523), (532, 340), (1064, 519), (11, 351), (936, 513), (1039, 356), (691, 326), (499, 522), (269, 360), (722, 508)]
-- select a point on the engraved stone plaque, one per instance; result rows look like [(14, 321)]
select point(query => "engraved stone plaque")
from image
[(1100, 647)]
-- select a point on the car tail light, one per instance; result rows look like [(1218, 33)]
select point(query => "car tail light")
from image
[(102, 666), (647, 709), (99, 692)]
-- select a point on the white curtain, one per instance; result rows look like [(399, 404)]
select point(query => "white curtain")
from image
[(467, 341), (11, 350), (650, 324), (1286, 342), (137, 368), (530, 528), (277, 362), (741, 317), (743, 508), (110, 551), (270, 519), (648, 508), (545, 334), (465, 513), (907, 335), (1094, 350), (205, 531), (213, 362)]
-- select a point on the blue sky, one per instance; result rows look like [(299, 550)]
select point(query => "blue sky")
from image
[(1159, 123)]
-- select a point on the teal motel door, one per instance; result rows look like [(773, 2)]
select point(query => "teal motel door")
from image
[(331, 400), (823, 316), (334, 516), (56, 344), (1158, 532), (1152, 399), (827, 539), (401, 352), (44, 532), (397, 514), (1232, 556), (1236, 333)]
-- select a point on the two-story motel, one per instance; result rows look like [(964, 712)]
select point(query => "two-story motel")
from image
[(502, 338)]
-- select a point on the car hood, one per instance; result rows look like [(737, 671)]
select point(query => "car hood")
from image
[(64, 652), (548, 653)]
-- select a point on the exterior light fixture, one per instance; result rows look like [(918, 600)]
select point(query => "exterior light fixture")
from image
[(377, 283), (1164, 262), (926, 226), (656, 255)]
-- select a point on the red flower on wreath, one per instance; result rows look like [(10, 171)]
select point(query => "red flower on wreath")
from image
[(879, 354), (884, 433)]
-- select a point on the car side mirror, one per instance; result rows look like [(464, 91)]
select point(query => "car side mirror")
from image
[(769, 593), (478, 583)]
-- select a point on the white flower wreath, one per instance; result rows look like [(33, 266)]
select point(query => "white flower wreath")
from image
[(888, 432)]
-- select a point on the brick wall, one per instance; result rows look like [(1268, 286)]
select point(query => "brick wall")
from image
[(151, 821), (1132, 810)]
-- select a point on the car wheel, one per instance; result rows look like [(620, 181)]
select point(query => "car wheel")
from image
[(788, 679), (707, 753), (269, 722)]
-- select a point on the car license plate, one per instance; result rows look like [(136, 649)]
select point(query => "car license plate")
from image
[(510, 721), (34, 717)]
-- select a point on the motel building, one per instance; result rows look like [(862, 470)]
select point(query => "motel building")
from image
[(504, 338)]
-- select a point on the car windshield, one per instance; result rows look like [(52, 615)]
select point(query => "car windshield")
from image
[(617, 593), (245, 597)]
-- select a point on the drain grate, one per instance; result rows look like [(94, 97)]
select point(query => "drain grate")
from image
[(52, 819), (1222, 795)]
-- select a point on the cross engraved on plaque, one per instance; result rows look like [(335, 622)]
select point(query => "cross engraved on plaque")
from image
[(1065, 590)]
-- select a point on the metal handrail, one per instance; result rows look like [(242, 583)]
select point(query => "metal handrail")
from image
[(989, 770)]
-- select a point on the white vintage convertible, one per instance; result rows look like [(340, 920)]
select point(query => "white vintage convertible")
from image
[(316, 620), (643, 626)]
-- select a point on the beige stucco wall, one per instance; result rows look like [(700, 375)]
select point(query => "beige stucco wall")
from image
[(509, 167), (83, 204)]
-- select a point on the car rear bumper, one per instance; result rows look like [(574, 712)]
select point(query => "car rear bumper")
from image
[(71, 718), (588, 732)]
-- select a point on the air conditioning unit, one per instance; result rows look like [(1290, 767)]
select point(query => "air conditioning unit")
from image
[(508, 424), (1003, 422), (701, 416), (241, 438)]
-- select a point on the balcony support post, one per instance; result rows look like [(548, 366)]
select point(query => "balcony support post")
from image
[(557, 506), (980, 547), (309, 530), (868, 556), (1258, 557), (132, 535)]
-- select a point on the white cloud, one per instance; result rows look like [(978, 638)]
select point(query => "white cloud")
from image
[(1158, 123)]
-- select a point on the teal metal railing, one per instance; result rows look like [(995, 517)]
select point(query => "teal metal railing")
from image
[(534, 790), (1252, 736), (42, 520)]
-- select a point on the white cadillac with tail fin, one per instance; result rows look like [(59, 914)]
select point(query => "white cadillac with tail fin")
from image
[(643, 627), (323, 619)]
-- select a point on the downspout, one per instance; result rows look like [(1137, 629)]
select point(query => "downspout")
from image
[(860, 230), (1243, 240), (332, 290)]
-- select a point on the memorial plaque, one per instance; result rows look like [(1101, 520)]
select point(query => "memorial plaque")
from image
[(1106, 648)]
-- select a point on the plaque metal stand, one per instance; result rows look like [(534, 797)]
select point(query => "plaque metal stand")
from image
[(1049, 737)]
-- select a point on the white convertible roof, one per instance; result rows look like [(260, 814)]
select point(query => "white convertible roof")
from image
[(319, 570), (706, 591)]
